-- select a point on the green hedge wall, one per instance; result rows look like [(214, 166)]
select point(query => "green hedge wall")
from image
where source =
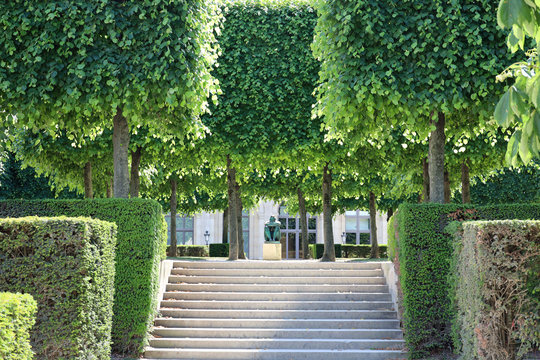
[(191, 250), (317, 250), (361, 251), (67, 265), (425, 252), (17, 316), (495, 309), (219, 250), (141, 243)]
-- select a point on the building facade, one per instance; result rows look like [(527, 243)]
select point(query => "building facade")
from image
[(351, 228)]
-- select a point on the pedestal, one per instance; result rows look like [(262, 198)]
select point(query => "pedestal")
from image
[(271, 250)]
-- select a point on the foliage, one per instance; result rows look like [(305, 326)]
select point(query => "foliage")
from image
[(18, 183), (317, 250), (392, 241), (361, 251), (141, 243), (267, 75), (367, 49), (72, 64), (425, 252), (191, 250), (67, 265), (495, 309), (219, 250), (17, 316), (520, 105), (507, 185)]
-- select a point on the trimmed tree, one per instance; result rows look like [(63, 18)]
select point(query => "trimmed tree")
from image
[(115, 64)]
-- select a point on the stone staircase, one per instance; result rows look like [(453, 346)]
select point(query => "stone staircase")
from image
[(283, 310)]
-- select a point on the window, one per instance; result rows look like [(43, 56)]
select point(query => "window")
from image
[(291, 234), (184, 229), (357, 227), (245, 231)]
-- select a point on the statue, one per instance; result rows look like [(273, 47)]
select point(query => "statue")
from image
[(272, 230)]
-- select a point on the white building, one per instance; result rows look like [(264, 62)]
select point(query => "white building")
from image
[(351, 227)]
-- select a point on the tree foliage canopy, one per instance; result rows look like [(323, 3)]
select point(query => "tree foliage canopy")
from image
[(401, 60), (72, 63)]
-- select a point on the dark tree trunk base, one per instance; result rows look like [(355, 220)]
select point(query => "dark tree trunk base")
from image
[(436, 160), (134, 183), (121, 137), (87, 174), (329, 250), (172, 247)]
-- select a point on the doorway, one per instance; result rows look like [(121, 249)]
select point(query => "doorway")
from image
[(291, 234)]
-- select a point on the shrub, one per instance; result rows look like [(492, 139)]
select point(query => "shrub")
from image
[(495, 310), (392, 242), (219, 250), (17, 316), (317, 250), (361, 251), (191, 250), (425, 251), (141, 243), (67, 265)]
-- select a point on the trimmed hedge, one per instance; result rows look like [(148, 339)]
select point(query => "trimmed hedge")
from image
[(353, 251), (219, 250), (67, 265), (141, 243), (495, 309), (191, 250), (392, 242), (425, 253), (317, 250), (17, 316)]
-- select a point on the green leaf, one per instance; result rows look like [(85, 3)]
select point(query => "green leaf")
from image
[(503, 115), (518, 102)]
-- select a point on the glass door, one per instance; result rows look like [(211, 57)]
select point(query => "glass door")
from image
[(291, 234)]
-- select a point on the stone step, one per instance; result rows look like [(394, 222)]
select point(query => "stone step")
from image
[(278, 333), (272, 354), (277, 272), (278, 305), (280, 323), (292, 264), (277, 296), (275, 280), (285, 288), (277, 314), (270, 343)]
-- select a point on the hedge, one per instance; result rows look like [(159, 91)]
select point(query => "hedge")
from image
[(493, 264), (317, 250), (17, 316), (392, 242), (425, 253), (361, 251), (219, 250), (141, 243), (191, 250), (67, 265)]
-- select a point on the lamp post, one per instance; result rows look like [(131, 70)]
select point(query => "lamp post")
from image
[(343, 237), (206, 237)]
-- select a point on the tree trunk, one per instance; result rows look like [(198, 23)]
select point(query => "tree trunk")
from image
[(425, 173), (436, 160), (465, 183), (87, 173), (135, 181), (233, 224), (373, 226), (329, 251), (446, 187), (239, 209), (109, 187), (121, 139), (225, 236), (303, 223), (172, 248), (389, 214)]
